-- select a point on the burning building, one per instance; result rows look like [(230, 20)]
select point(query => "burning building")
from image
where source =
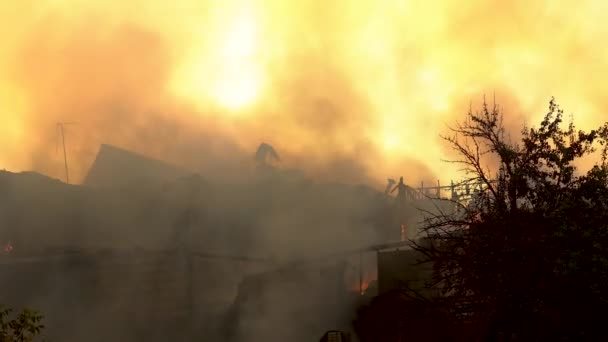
[(135, 245)]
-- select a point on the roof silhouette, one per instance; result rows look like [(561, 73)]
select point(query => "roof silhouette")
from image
[(115, 166)]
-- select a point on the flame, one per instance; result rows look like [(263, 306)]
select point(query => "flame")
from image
[(362, 285), (160, 77)]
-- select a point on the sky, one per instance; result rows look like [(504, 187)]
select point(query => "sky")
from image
[(356, 91)]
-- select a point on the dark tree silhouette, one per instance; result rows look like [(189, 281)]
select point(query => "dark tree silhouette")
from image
[(401, 316), (22, 328), (529, 260)]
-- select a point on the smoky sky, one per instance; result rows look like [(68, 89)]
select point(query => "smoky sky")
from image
[(357, 92)]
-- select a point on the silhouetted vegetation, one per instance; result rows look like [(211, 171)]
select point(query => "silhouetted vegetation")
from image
[(528, 259), (22, 328)]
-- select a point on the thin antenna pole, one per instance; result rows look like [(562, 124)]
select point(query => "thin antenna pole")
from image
[(61, 126), (65, 155)]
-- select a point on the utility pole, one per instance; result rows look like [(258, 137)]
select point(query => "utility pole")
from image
[(61, 126)]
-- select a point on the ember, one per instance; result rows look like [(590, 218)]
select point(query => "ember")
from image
[(7, 248), (363, 285)]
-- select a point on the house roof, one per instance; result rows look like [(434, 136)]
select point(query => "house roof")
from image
[(115, 166)]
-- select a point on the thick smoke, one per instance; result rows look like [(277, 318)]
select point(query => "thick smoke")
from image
[(346, 91), (113, 78), (370, 85)]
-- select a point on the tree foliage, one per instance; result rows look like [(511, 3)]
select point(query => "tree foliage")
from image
[(528, 258), (23, 328)]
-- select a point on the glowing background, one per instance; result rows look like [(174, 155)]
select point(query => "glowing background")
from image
[(357, 90)]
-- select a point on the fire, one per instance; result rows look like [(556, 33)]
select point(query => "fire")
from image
[(362, 285)]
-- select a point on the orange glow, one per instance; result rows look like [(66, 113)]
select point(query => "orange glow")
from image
[(169, 78), (362, 285), (231, 74)]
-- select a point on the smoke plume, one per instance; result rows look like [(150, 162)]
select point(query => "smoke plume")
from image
[(342, 89)]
